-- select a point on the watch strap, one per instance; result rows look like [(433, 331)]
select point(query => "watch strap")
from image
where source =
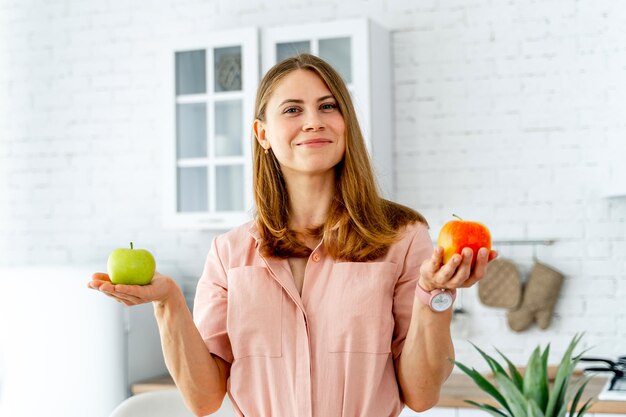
[(426, 297)]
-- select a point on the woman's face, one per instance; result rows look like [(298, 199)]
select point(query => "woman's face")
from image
[(303, 125)]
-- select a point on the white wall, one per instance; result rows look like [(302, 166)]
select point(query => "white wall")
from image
[(502, 113)]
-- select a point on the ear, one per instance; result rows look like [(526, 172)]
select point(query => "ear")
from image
[(259, 133)]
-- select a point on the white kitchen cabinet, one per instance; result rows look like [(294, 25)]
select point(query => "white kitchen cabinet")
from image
[(209, 104), (360, 50), (210, 87), (62, 345)]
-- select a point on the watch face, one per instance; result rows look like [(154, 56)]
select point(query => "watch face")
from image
[(441, 301)]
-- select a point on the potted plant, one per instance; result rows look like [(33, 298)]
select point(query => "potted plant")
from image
[(530, 394)]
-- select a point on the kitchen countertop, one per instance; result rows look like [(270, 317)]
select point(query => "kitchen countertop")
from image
[(458, 387)]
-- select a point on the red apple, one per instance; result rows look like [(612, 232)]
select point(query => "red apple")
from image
[(458, 234)]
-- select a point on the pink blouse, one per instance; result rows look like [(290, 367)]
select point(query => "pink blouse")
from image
[(331, 351)]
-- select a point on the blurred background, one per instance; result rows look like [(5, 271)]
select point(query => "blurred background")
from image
[(113, 115)]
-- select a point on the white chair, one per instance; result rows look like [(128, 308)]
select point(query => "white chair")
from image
[(164, 403)]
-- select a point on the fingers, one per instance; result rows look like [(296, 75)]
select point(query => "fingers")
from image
[(159, 289), (122, 294), (434, 275), (122, 299), (436, 259), (100, 276), (480, 268), (127, 299), (97, 279), (125, 294), (430, 268), (451, 269), (461, 270), (457, 272)]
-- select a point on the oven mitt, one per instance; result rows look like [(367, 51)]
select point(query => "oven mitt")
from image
[(540, 295), (501, 286)]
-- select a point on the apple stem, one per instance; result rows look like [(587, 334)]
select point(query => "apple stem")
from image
[(131, 245), (454, 215)]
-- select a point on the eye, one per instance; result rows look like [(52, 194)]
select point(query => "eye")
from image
[(328, 106), (291, 110)]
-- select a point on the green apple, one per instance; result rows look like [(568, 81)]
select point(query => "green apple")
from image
[(131, 266)]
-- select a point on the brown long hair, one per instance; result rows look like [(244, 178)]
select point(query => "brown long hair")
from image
[(360, 225)]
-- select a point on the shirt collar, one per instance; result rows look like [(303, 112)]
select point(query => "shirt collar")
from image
[(253, 231)]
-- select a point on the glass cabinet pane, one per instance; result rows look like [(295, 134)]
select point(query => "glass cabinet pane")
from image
[(229, 188), (227, 69), (191, 130), (192, 189), (191, 72), (289, 49), (337, 52), (228, 128)]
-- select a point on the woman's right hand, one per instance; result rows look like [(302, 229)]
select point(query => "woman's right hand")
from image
[(158, 290)]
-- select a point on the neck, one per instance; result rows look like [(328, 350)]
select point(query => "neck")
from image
[(309, 198)]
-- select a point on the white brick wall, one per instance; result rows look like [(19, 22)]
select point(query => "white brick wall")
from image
[(502, 114)]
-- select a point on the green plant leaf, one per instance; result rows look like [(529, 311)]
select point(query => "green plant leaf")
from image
[(493, 364), (577, 397), (584, 408), (485, 385), (545, 356), (526, 396), (545, 387), (514, 373), (488, 408), (557, 396), (561, 408), (536, 380), (533, 409), (515, 398)]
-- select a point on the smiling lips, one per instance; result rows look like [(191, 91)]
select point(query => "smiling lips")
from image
[(314, 143)]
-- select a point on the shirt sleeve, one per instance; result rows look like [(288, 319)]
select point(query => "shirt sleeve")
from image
[(211, 305), (418, 249)]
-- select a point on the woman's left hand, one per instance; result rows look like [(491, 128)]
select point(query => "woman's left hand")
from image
[(457, 272)]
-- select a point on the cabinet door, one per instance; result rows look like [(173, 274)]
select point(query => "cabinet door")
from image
[(210, 104), (359, 50)]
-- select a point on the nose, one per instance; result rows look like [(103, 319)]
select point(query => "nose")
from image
[(313, 122)]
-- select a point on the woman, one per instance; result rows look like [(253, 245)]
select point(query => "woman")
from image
[(311, 308)]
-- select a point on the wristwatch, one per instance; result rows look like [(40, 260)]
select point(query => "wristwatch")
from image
[(438, 300)]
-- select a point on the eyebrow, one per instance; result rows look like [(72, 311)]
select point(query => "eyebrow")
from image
[(298, 101)]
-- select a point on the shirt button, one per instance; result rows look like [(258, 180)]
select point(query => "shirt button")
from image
[(316, 257)]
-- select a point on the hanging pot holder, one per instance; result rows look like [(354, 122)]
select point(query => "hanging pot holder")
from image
[(501, 286)]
